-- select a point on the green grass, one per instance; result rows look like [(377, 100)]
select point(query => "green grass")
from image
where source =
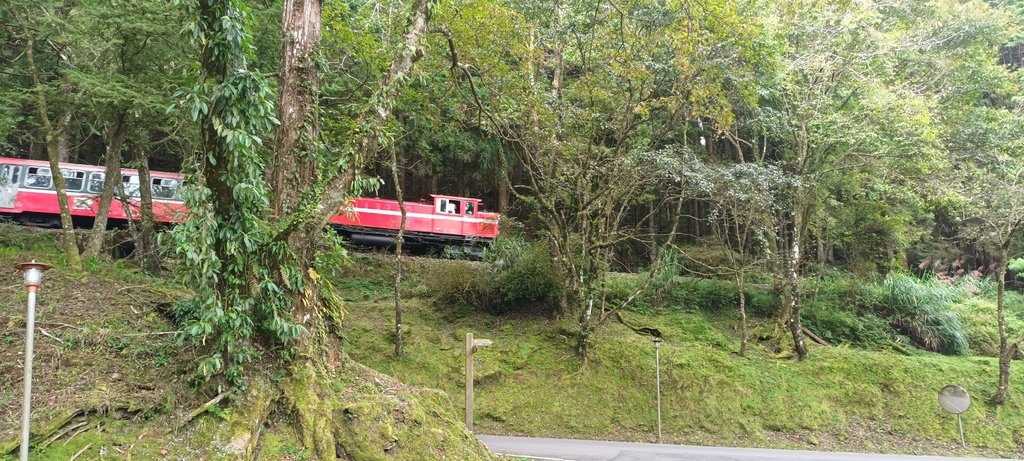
[(530, 383)]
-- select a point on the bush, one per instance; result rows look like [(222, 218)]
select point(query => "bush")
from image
[(528, 278), (19, 237), (514, 274), (838, 325), (921, 309), (461, 283), (690, 294)]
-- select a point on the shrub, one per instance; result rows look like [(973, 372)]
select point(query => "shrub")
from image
[(461, 283), (24, 238), (921, 309), (528, 278), (838, 325), (514, 274)]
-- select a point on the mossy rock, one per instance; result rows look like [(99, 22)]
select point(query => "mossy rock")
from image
[(378, 418)]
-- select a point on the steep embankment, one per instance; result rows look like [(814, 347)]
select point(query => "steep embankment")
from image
[(528, 383), (111, 382)]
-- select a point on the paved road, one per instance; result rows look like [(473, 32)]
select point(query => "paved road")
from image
[(590, 450)]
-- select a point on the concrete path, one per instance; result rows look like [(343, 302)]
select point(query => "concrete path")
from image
[(596, 450)]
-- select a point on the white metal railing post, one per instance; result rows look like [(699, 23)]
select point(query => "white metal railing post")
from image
[(657, 378)]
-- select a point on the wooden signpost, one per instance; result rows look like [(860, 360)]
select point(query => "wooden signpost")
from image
[(471, 346)]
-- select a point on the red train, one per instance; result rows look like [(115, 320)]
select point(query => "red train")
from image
[(27, 194)]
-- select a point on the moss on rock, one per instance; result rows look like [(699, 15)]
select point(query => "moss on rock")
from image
[(378, 418)]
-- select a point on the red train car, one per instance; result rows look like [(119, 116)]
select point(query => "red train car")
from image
[(28, 195), (448, 220)]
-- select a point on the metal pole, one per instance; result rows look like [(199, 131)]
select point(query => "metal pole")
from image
[(26, 407), (960, 422), (469, 381), (657, 378)]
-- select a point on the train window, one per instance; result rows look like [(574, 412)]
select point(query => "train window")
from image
[(165, 188), (446, 206), (130, 186), (38, 178), (10, 175), (470, 208), (96, 182), (73, 180)]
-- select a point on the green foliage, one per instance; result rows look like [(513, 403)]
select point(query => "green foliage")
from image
[(525, 275), (921, 309), (458, 283), (839, 325), (982, 327), (224, 245), (690, 294), (526, 384), (515, 274), (15, 237)]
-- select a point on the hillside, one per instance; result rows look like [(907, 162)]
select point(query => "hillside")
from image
[(110, 377), (111, 381), (529, 383)]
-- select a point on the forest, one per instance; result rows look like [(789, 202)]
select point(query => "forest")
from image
[(762, 148)]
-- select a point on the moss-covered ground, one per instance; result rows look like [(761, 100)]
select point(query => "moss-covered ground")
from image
[(112, 382), (109, 369), (529, 382)]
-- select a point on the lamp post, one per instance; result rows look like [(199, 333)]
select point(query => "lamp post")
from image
[(33, 277), (657, 379)]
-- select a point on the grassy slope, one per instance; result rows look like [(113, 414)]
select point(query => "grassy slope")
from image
[(110, 373), (529, 383)]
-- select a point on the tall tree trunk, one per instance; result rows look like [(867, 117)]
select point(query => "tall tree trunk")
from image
[(743, 314), (503, 194), (64, 128), (69, 242), (399, 239), (1005, 351), (294, 175), (652, 232), (794, 282), (146, 241), (112, 178), (295, 166)]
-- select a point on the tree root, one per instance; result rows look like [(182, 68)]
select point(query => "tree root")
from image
[(313, 413), (248, 417), (352, 413), (198, 411)]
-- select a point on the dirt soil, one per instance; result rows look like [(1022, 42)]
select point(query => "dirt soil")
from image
[(102, 348)]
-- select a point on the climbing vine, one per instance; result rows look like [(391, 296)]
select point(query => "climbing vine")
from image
[(225, 244)]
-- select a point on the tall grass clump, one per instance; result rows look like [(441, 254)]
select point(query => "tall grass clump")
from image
[(920, 308)]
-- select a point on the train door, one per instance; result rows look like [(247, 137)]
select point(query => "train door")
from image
[(10, 176), (447, 214), (469, 226)]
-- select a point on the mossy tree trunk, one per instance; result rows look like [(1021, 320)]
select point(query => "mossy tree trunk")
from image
[(68, 240), (115, 136), (1005, 351), (146, 246), (399, 240)]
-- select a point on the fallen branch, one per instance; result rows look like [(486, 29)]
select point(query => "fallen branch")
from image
[(61, 433), (131, 287), (48, 335), (158, 333), (813, 336), (198, 411), (76, 455), (64, 325), (74, 434), (899, 348)]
